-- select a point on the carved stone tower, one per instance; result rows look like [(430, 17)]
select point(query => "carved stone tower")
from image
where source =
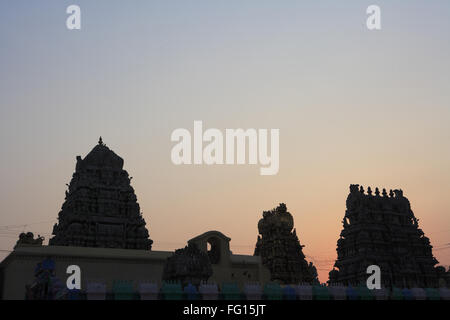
[(280, 249), (381, 229), (100, 207)]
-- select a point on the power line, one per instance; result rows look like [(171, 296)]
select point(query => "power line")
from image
[(441, 231), (438, 249), (25, 224)]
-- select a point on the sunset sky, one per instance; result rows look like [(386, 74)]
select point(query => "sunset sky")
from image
[(352, 106)]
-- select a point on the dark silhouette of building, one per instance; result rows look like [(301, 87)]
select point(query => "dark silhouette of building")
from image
[(100, 207), (280, 249), (188, 265), (381, 229)]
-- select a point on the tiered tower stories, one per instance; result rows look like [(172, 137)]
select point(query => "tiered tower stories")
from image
[(100, 207), (280, 249), (381, 229)]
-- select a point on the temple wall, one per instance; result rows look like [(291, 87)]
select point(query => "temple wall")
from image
[(96, 264), (231, 267), (107, 265), (241, 269)]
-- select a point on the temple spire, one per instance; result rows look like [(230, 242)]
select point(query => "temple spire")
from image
[(383, 231), (280, 249), (101, 208)]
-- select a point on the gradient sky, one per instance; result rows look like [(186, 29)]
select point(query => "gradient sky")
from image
[(352, 106)]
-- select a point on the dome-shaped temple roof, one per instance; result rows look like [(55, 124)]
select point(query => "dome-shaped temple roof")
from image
[(276, 218)]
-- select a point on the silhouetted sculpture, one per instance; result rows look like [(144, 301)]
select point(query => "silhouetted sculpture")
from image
[(188, 265), (100, 208), (46, 285), (280, 249), (383, 231), (27, 239)]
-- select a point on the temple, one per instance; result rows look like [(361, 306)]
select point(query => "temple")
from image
[(100, 208), (101, 230), (381, 229), (280, 249)]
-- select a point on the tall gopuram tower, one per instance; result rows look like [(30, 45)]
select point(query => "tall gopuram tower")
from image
[(280, 249), (381, 229), (100, 207)]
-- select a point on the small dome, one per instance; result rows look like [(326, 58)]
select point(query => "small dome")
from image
[(276, 218)]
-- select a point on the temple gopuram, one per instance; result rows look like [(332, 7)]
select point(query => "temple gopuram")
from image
[(381, 229), (100, 208), (280, 248)]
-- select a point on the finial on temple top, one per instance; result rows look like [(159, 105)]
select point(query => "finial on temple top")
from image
[(100, 141)]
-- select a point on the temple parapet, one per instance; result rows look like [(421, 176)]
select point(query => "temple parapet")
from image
[(366, 205)]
